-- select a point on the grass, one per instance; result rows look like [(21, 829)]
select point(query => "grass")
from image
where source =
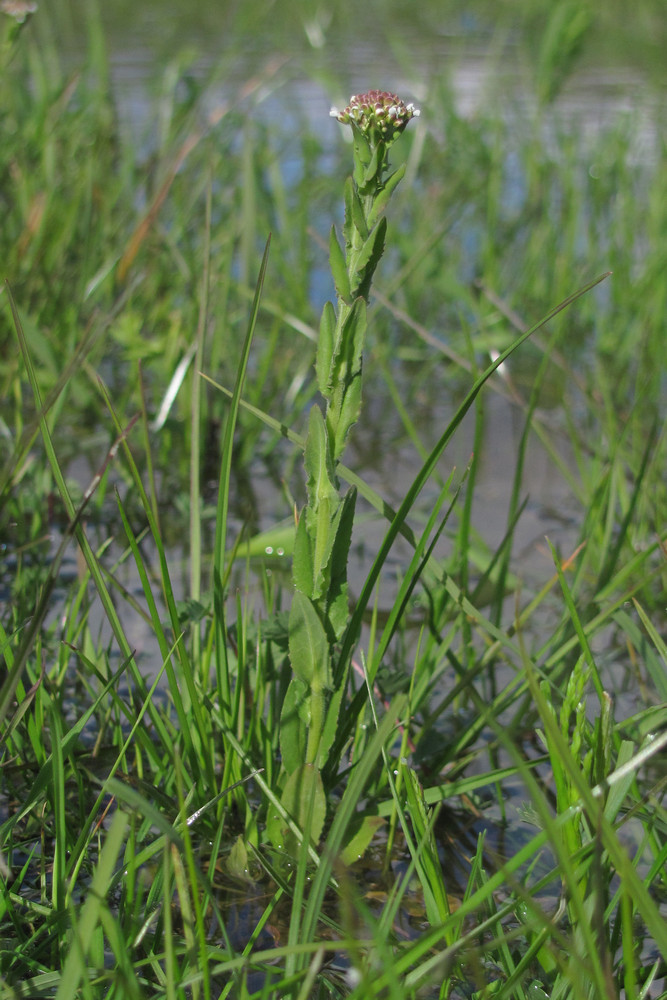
[(145, 629)]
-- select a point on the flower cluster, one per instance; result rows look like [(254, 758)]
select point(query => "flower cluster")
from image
[(20, 10), (378, 115)]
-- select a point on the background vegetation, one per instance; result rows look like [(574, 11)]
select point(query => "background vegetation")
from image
[(504, 730)]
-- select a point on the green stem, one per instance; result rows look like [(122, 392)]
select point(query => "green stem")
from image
[(336, 398)]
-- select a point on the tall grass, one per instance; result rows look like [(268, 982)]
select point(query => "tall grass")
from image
[(144, 617)]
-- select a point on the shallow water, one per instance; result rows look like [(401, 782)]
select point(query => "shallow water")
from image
[(328, 51), (318, 55), (322, 67)]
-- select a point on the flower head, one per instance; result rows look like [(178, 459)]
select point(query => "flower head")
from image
[(20, 10), (379, 115)]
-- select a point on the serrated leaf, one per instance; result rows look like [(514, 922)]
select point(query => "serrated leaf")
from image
[(338, 612), (191, 611), (339, 268), (322, 539), (302, 562), (369, 258), (274, 629), (349, 350), (362, 154), (355, 230), (371, 171), (325, 347), (381, 200), (330, 727), (349, 413), (326, 524), (323, 500), (308, 643), (317, 460), (355, 335)]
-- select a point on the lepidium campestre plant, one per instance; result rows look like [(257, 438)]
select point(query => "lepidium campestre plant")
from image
[(319, 611)]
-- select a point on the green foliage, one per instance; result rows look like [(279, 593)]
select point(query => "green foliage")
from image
[(339, 269), (563, 39), (308, 644), (304, 800), (319, 612), (444, 777)]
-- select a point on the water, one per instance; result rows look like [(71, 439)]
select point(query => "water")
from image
[(306, 69), (308, 58), (329, 51)]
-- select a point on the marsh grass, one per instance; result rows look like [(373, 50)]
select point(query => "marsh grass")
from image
[(133, 803)]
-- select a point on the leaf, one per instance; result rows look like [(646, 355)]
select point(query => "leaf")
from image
[(327, 523), (535, 991), (325, 348), (618, 791), (348, 352), (76, 964), (428, 865), (356, 228), (362, 154), (317, 460), (274, 543), (349, 413), (398, 523), (237, 861), (345, 403), (373, 168), (294, 719), (324, 502), (381, 200), (339, 268), (562, 39), (322, 532), (369, 258), (598, 761), (191, 611), (355, 335), (308, 643), (337, 599), (330, 726), (302, 563), (357, 846), (304, 799)]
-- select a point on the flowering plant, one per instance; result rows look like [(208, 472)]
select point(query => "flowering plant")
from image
[(378, 115), (319, 612)]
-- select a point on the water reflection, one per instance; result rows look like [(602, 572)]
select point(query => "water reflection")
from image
[(481, 53)]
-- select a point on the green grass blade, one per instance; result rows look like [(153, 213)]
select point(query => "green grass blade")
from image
[(223, 493), (76, 963), (424, 474)]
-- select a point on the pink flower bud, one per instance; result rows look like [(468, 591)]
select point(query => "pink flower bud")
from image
[(379, 115)]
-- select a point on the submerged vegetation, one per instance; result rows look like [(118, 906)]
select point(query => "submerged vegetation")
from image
[(346, 731)]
